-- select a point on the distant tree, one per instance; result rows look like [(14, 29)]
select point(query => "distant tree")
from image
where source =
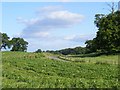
[(19, 44), (72, 51), (5, 42), (38, 51), (80, 50)]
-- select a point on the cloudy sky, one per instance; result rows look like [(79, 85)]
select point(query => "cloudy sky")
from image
[(51, 25)]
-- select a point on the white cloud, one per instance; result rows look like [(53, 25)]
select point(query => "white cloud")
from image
[(79, 38), (52, 20), (65, 16), (42, 34), (21, 20), (41, 28), (27, 22)]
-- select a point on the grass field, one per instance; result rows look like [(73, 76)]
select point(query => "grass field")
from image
[(36, 70)]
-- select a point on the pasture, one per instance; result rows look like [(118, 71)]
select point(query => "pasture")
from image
[(37, 70)]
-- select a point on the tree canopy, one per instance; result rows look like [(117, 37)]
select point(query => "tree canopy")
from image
[(38, 51), (19, 44), (16, 44), (107, 39)]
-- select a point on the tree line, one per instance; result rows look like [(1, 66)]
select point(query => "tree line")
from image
[(76, 50)]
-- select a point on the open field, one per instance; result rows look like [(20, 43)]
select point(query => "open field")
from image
[(38, 70)]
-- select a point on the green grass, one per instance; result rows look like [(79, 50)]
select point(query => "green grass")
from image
[(35, 70), (110, 59)]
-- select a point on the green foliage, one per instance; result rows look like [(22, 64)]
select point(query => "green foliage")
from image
[(16, 44), (19, 44), (38, 51), (67, 51), (34, 70), (5, 41), (90, 46), (108, 35)]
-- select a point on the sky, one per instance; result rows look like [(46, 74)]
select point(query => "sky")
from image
[(52, 25)]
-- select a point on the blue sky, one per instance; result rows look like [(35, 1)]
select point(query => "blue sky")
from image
[(51, 25)]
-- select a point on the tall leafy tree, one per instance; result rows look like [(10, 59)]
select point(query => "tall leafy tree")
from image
[(108, 35), (19, 44)]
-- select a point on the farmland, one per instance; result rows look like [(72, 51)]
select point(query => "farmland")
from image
[(38, 70)]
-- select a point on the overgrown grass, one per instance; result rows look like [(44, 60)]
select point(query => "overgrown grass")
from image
[(34, 70), (103, 59)]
